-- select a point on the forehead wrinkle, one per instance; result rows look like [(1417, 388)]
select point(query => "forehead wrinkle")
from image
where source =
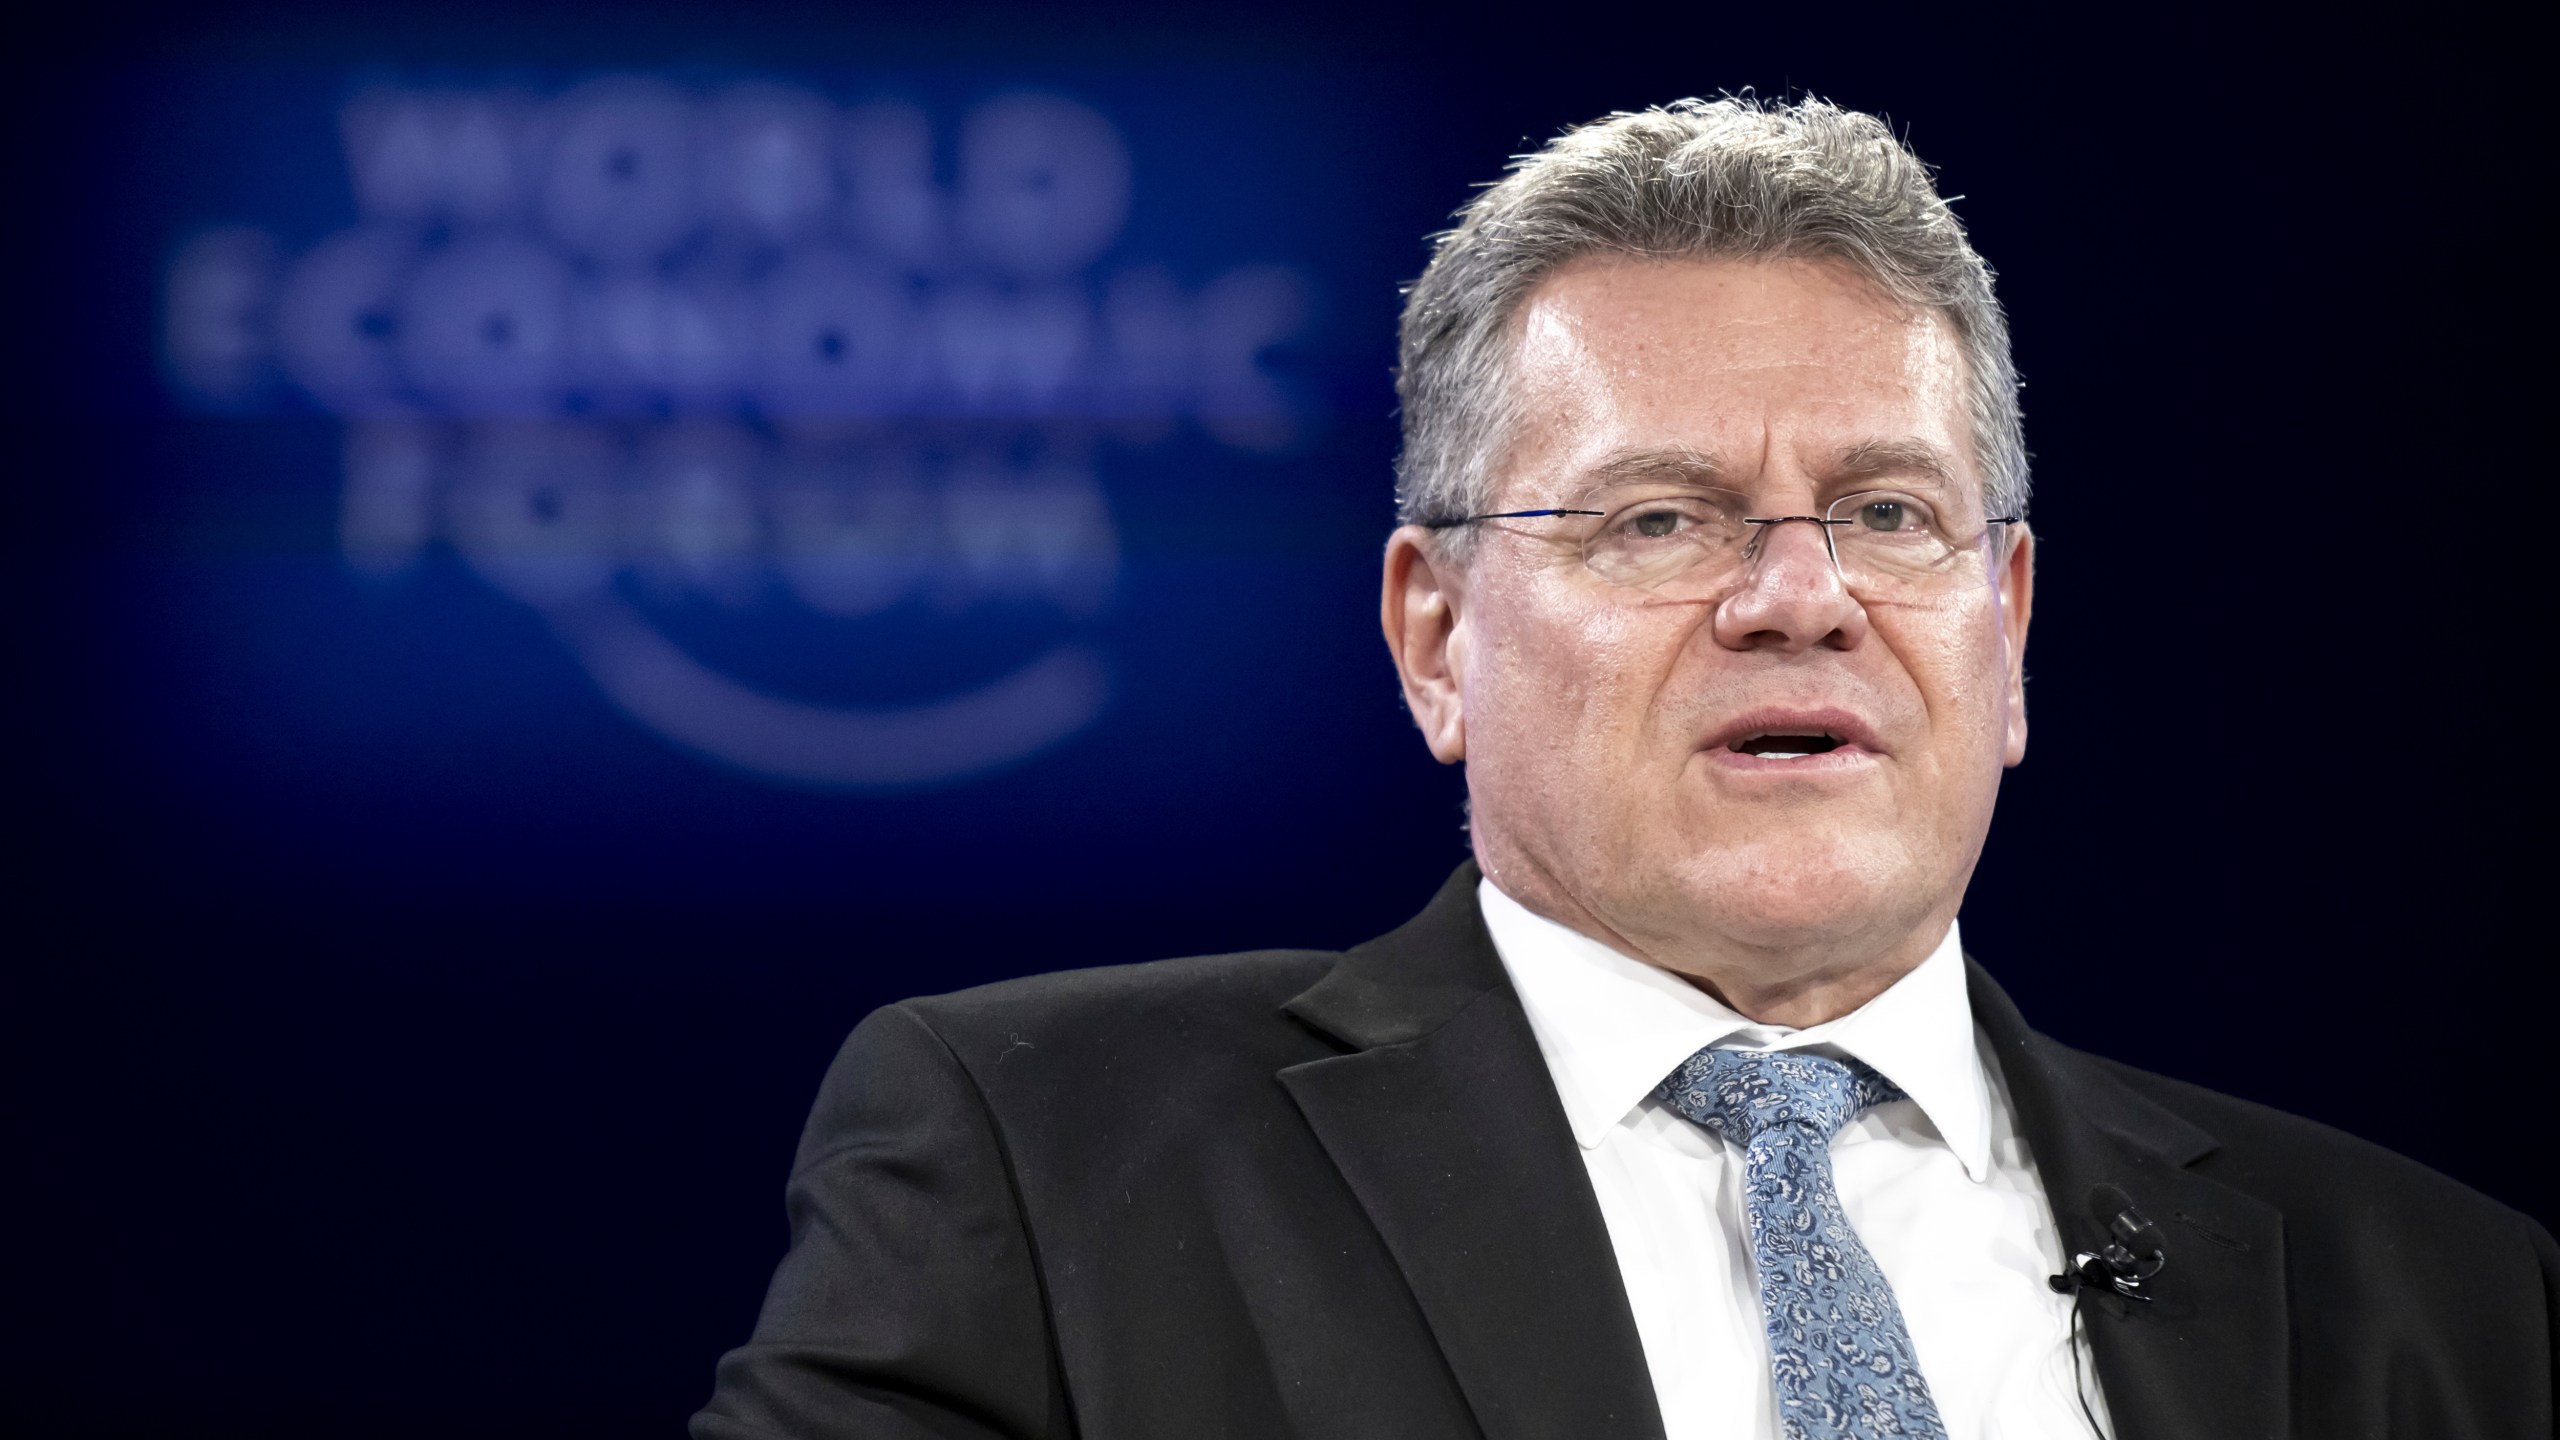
[(1588, 355)]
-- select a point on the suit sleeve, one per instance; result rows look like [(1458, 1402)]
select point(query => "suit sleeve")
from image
[(909, 1304)]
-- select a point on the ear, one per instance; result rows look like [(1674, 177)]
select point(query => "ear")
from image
[(1419, 606), (2017, 604)]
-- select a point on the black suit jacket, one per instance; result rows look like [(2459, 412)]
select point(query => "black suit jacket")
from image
[(1316, 1194)]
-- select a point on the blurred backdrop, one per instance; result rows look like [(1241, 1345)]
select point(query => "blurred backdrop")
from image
[(560, 555)]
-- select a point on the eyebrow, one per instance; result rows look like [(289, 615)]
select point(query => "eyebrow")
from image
[(1679, 464), (1657, 464), (1896, 457)]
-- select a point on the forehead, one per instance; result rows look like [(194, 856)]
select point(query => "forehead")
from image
[(1759, 364)]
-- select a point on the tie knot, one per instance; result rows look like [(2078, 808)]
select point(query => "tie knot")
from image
[(1747, 1091)]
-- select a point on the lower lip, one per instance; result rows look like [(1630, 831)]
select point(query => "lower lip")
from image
[(1842, 760)]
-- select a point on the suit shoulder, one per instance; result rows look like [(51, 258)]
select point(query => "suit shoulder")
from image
[(2302, 1163), (1199, 992), (1174, 1057)]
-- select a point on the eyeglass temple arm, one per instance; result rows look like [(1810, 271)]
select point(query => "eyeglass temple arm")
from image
[(1452, 524)]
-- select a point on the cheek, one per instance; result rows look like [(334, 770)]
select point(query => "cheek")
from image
[(1958, 662), (1560, 672)]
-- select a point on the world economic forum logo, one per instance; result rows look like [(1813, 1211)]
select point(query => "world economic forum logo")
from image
[(636, 348)]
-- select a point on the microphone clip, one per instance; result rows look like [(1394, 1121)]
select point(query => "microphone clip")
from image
[(2133, 1255)]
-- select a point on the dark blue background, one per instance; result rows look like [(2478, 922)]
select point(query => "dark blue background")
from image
[(404, 1042)]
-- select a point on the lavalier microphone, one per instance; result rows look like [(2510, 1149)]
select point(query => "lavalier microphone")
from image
[(2133, 1253)]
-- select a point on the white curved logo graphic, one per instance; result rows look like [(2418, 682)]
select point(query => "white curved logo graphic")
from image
[(634, 352)]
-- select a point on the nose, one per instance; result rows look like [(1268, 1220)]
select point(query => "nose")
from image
[(1790, 599)]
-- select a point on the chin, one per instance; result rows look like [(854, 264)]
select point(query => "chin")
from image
[(1798, 891)]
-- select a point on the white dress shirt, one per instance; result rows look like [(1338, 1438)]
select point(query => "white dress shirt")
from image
[(1939, 1186)]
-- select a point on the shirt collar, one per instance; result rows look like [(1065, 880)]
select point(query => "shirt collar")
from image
[(1611, 1027)]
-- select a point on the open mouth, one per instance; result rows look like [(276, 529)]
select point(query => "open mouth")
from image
[(1781, 745)]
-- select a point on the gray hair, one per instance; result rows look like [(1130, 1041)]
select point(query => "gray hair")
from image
[(1696, 179)]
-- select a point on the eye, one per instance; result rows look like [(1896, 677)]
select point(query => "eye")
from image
[(1892, 515), (1658, 519), (1649, 538)]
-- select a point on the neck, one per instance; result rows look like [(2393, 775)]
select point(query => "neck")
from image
[(1794, 980)]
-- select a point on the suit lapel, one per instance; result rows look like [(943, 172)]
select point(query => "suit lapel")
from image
[(1445, 1124), (2209, 1356)]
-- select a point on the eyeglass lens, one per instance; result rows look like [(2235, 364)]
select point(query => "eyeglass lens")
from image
[(1694, 542)]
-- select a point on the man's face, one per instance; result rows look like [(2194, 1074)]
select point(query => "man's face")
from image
[(1609, 732)]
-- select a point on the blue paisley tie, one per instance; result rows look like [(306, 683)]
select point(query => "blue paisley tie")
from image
[(1839, 1355)]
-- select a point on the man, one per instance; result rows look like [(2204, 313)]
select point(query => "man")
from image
[(1680, 1111)]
